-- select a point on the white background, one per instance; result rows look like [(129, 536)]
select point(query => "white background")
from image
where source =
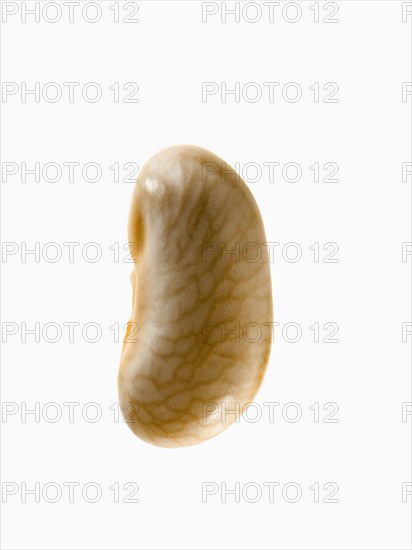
[(169, 53)]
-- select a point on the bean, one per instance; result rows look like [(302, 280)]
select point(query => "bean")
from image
[(198, 341)]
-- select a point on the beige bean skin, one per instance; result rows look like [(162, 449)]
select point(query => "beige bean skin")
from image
[(186, 292)]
